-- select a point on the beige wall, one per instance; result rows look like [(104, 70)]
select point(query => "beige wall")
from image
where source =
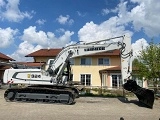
[(93, 69)]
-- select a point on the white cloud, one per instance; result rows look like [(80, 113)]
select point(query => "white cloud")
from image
[(24, 49), (138, 46), (7, 37), (81, 14), (65, 20), (46, 39), (34, 40), (35, 37), (115, 10), (114, 26), (105, 11), (93, 32), (144, 16), (11, 11), (40, 21), (61, 41), (2, 3), (60, 30)]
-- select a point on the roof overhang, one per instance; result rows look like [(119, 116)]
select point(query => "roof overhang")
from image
[(115, 68)]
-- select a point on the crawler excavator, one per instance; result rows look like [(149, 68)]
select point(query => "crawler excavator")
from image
[(54, 84)]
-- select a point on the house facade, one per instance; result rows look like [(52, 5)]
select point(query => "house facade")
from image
[(94, 70), (87, 68)]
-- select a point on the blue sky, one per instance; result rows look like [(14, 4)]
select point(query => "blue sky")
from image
[(30, 25)]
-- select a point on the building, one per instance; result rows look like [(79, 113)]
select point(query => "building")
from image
[(5, 59), (43, 55), (7, 62), (88, 69), (100, 69)]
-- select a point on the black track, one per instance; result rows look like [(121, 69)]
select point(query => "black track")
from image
[(48, 94)]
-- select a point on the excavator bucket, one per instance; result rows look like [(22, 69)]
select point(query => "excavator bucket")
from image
[(145, 96)]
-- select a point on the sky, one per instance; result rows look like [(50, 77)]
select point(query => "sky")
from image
[(29, 25)]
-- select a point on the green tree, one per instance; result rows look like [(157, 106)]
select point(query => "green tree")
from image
[(147, 64)]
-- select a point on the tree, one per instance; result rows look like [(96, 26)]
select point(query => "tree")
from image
[(147, 64)]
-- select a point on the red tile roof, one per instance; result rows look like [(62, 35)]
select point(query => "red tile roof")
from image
[(4, 67), (54, 52), (45, 53), (3, 56)]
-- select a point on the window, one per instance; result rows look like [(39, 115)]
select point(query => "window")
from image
[(85, 61), (71, 61), (116, 81), (51, 61), (86, 79), (103, 61)]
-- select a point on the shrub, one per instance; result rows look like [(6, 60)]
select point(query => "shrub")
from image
[(99, 92)]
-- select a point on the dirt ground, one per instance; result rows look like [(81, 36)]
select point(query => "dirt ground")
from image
[(85, 108)]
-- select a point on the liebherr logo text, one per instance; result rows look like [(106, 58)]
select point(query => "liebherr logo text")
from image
[(94, 49)]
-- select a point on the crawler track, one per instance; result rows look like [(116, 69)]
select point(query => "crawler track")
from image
[(41, 94)]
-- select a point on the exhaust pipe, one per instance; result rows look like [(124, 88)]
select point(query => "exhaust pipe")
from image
[(145, 96)]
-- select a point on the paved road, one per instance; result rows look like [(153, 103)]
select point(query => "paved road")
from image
[(86, 108)]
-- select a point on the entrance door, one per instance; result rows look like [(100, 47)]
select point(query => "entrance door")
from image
[(116, 81)]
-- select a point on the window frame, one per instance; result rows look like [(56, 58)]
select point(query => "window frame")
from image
[(111, 81), (85, 79), (85, 60), (72, 60), (103, 61)]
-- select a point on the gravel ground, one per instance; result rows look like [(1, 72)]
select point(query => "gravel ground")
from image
[(85, 108)]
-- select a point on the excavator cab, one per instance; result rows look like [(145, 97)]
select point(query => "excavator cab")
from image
[(145, 96)]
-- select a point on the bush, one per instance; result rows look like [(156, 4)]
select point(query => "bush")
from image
[(99, 92)]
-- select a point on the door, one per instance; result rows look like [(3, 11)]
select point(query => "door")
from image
[(116, 81)]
